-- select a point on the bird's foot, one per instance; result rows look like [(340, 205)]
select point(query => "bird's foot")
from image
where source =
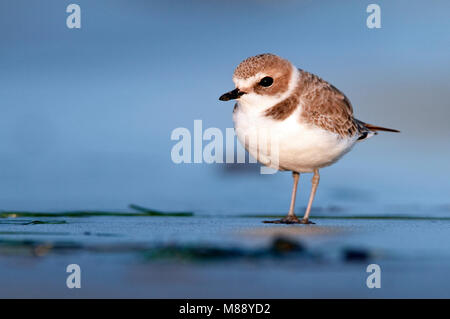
[(289, 220), (306, 221)]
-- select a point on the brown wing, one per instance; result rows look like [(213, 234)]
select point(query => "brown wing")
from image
[(327, 107)]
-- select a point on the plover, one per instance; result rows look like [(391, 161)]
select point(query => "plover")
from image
[(311, 120)]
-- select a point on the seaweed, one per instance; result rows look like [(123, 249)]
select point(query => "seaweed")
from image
[(141, 212), (280, 248), (30, 222)]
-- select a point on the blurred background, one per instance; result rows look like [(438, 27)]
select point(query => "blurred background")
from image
[(87, 114)]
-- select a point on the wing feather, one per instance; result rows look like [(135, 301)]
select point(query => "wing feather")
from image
[(326, 106)]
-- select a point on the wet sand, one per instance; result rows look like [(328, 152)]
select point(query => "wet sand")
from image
[(223, 256)]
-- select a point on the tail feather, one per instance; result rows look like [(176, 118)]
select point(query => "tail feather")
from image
[(379, 128)]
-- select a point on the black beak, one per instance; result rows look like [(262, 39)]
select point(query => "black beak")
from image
[(232, 95)]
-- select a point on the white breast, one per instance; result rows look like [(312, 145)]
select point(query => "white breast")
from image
[(287, 144)]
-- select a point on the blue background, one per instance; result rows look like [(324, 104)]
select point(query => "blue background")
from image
[(86, 115)]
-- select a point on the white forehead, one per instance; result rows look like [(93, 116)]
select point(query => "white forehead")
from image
[(248, 82)]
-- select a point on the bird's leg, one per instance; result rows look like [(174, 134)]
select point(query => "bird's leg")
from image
[(291, 214), (315, 183), (291, 218)]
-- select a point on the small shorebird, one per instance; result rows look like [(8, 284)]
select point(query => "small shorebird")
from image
[(311, 120)]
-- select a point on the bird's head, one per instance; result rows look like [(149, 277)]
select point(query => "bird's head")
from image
[(261, 81)]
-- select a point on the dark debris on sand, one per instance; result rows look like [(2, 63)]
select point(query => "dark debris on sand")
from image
[(280, 248)]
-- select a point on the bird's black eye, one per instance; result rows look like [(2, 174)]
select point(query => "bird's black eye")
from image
[(266, 81)]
